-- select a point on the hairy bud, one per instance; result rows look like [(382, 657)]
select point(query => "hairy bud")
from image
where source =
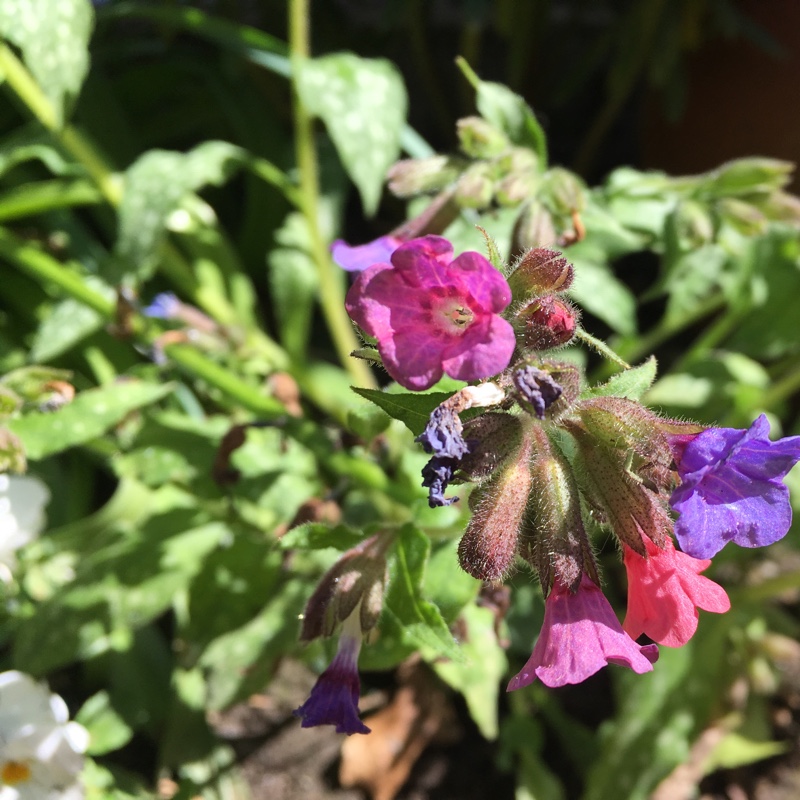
[(554, 540), (545, 322), (475, 188), (358, 577), (413, 176), (540, 271), (489, 544), (480, 139), (563, 191), (534, 228)]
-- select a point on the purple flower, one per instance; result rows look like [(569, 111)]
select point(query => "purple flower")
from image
[(164, 306), (731, 489), (580, 635), (436, 476), (334, 698), (356, 258), (537, 387), (433, 314)]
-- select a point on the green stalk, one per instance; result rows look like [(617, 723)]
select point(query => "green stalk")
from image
[(782, 389), (173, 265), (601, 347), (331, 287)]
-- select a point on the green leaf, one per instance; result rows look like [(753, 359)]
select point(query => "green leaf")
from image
[(736, 750), (54, 40), (317, 536), (89, 415), (478, 678), (420, 620), (507, 111), (155, 184), (600, 293), (363, 105), (694, 277), (411, 408), (107, 729), (631, 383), (39, 196), (67, 323), (29, 142)]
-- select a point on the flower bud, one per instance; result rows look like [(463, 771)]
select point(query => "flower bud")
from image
[(554, 540), (563, 191), (516, 188), (518, 160), (745, 175), (493, 438), (475, 188), (624, 459), (744, 217), (413, 176), (480, 139), (489, 544), (692, 224), (534, 228), (358, 577), (545, 322), (540, 271), (779, 206)]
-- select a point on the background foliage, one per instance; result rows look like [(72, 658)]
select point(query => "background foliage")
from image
[(210, 468)]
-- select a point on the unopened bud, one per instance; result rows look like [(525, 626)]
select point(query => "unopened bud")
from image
[(534, 228), (563, 191), (540, 271), (475, 188), (358, 577), (518, 160), (780, 206), (744, 217), (746, 175), (516, 188), (554, 540), (414, 176), (480, 139), (489, 544), (493, 438), (12, 453), (545, 322), (692, 224)]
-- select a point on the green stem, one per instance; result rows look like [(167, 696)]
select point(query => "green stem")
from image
[(331, 285), (601, 347), (782, 389), (173, 264)]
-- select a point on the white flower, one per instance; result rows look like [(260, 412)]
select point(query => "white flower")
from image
[(22, 502), (41, 752)]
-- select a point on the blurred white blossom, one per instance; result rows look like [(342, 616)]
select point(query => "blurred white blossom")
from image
[(41, 751), (22, 502)]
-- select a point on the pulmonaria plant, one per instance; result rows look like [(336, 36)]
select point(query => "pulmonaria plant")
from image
[(551, 459)]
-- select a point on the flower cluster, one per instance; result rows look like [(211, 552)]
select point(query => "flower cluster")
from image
[(550, 460), (41, 752)]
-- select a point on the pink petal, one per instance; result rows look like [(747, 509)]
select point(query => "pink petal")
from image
[(489, 288), (580, 635), (484, 350)]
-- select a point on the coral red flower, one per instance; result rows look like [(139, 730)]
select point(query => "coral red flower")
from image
[(665, 591), (580, 635), (433, 314)]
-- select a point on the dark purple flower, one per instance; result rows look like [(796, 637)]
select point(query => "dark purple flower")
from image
[(433, 314), (356, 258), (537, 387), (334, 698), (443, 433), (731, 489), (436, 475)]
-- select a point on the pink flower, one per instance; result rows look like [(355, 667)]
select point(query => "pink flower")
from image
[(580, 635), (665, 591), (356, 258), (433, 314)]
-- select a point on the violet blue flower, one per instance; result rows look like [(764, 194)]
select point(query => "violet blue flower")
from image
[(580, 635), (433, 314), (537, 387), (731, 489), (164, 306), (356, 258), (665, 591), (334, 698)]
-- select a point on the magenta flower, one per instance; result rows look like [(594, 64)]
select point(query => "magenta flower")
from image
[(580, 635), (334, 698), (356, 258), (731, 489), (665, 591), (433, 314)]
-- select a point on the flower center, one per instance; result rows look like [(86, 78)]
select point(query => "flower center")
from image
[(14, 772), (453, 315)]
